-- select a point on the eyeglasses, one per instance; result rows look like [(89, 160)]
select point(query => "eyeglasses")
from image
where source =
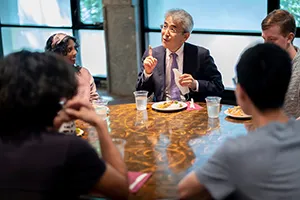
[(171, 28), (234, 80)]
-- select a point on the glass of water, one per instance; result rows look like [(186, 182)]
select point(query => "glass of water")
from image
[(141, 99), (120, 144), (141, 118), (101, 108), (213, 106)]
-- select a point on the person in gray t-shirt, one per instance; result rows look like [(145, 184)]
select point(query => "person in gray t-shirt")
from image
[(264, 164)]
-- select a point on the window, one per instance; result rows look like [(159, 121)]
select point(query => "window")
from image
[(91, 11), (37, 12), (293, 6), (92, 42), (225, 49), (28, 25), (214, 15), (225, 29), (15, 39), (93, 55), (297, 42)]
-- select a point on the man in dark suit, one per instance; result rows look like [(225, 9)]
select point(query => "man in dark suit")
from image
[(199, 73)]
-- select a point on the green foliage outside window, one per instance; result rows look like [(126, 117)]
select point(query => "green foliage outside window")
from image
[(293, 6), (91, 11)]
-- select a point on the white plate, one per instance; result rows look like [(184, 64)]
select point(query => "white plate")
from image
[(237, 116), (173, 107)]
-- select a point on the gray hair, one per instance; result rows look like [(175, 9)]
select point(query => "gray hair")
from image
[(183, 17)]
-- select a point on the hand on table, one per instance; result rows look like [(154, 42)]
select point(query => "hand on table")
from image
[(150, 62)]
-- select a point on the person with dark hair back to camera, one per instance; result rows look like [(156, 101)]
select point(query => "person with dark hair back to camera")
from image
[(36, 97), (264, 163), (279, 27), (67, 46)]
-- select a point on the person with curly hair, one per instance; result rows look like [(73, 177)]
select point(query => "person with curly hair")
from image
[(67, 46), (37, 162)]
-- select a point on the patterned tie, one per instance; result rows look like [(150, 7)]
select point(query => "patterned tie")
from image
[(174, 90)]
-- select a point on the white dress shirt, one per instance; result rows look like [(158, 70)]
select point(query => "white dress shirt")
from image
[(168, 71)]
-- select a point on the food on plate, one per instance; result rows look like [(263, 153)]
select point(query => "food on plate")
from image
[(79, 132), (165, 104), (236, 111), (168, 104), (177, 103)]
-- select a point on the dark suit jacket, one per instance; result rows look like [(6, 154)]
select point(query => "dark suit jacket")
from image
[(196, 61)]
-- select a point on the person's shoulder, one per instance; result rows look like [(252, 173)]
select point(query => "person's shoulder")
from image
[(76, 141), (243, 144), (84, 70), (53, 135), (189, 45), (74, 145), (263, 139), (284, 131), (200, 49), (296, 60), (57, 142), (158, 48), (61, 138)]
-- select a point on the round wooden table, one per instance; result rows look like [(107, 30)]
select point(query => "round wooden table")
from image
[(169, 145)]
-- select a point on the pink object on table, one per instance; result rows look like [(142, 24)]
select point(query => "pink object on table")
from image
[(133, 176), (197, 107)]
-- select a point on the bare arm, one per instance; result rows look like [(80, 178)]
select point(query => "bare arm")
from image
[(147, 66), (86, 112), (191, 188), (93, 94), (214, 178), (114, 182), (109, 151)]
